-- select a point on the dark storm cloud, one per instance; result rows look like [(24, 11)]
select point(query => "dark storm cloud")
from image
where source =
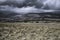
[(21, 3), (17, 1), (17, 7), (55, 4), (23, 10)]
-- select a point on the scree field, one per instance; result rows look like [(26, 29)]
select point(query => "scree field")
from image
[(30, 31)]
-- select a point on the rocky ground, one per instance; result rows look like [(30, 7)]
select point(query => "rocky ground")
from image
[(29, 31)]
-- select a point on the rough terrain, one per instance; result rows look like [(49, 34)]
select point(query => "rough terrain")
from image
[(29, 31)]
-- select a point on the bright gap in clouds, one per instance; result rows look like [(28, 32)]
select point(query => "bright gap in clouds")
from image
[(29, 9), (52, 4), (24, 10)]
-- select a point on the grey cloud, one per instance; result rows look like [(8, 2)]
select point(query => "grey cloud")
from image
[(45, 4), (12, 12), (18, 3), (21, 3), (23, 10), (10, 8), (55, 4), (3, 0)]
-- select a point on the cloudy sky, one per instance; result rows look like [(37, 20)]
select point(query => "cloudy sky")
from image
[(8, 7)]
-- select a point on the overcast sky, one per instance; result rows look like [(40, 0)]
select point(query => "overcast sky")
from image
[(28, 6)]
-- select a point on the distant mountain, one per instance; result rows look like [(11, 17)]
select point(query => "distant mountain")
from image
[(32, 17)]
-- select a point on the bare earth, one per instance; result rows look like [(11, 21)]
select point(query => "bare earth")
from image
[(29, 31)]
